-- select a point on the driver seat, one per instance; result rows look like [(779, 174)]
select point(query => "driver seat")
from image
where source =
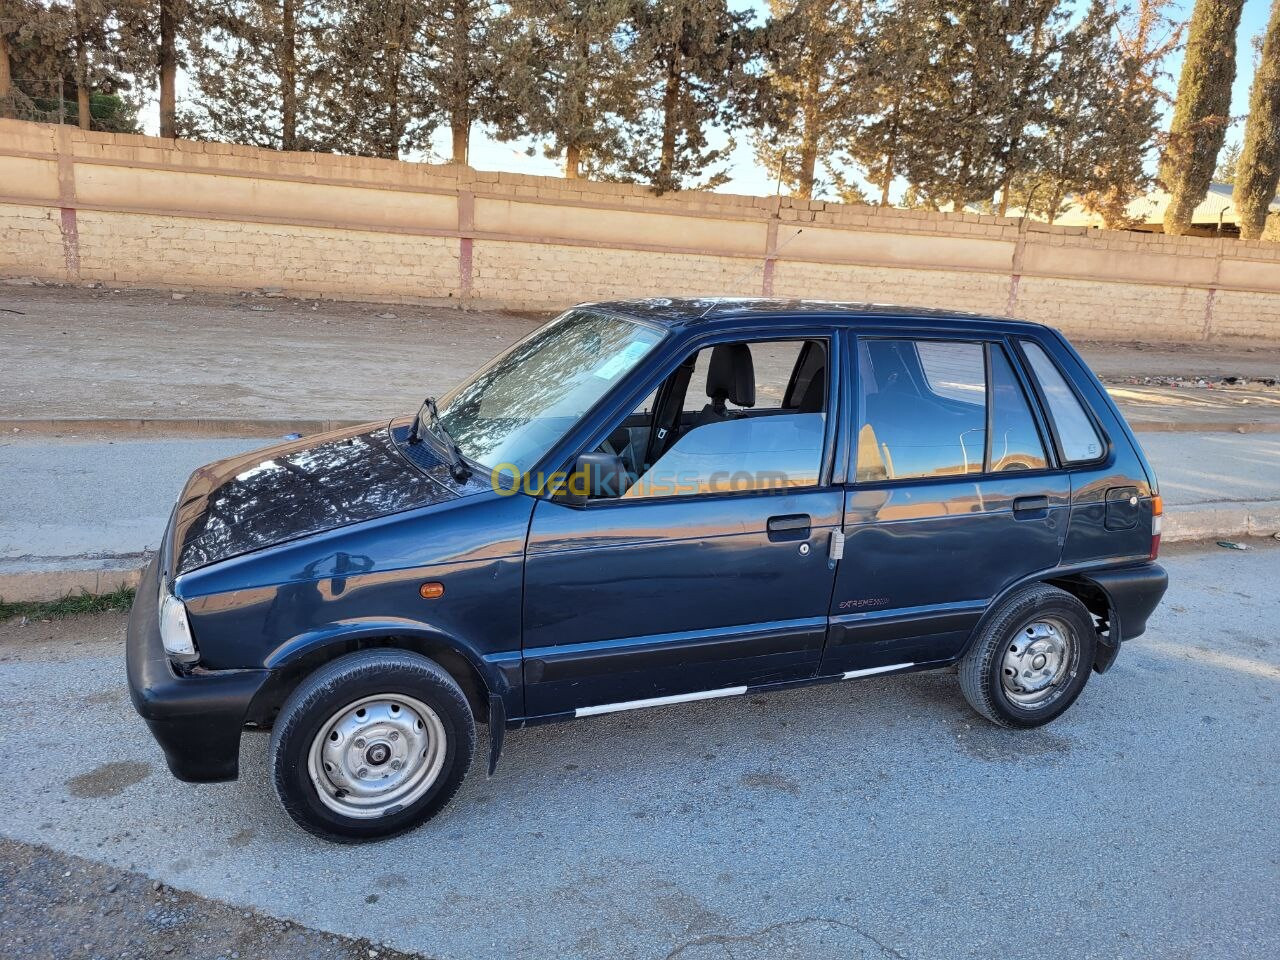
[(731, 378)]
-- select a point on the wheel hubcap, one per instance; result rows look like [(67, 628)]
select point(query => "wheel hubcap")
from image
[(1037, 662), (377, 755)]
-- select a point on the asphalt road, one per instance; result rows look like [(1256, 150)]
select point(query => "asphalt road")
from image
[(878, 818)]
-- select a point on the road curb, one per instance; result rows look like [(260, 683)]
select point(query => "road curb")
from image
[(1182, 525), (186, 429), (42, 585), (1222, 521)]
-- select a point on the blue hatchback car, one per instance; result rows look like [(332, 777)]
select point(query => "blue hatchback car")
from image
[(645, 503)]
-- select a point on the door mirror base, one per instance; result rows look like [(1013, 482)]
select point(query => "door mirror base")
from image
[(595, 476)]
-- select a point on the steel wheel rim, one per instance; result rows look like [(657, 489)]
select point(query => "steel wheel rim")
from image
[(377, 755), (1038, 661)]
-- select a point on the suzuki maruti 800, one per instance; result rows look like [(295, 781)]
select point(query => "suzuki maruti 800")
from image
[(646, 503)]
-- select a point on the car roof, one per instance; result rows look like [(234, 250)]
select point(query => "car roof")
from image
[(686, 311)]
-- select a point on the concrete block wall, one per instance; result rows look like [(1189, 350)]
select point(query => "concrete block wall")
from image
[(80, 207)]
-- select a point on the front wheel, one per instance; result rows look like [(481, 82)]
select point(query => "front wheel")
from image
[(371, 745), (1031, 659)]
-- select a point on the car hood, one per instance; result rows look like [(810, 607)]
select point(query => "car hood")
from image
[(295, 489)]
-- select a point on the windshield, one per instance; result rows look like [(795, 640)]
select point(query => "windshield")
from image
[(515, 409)]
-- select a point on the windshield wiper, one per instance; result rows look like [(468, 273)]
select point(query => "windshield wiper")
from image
[(457, 465)]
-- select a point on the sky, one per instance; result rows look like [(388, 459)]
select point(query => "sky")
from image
[(747, 176)]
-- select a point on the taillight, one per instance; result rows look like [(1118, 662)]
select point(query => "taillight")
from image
[(1157, 524)]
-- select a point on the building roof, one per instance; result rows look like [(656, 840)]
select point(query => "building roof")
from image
[(1216, 208)]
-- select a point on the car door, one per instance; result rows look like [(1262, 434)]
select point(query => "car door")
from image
[(689, 586), (954, 495)]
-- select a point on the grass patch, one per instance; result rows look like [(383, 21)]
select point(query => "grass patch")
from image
[(69, 606)]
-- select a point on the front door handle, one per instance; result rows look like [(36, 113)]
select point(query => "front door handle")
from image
[(792, 526), (1030, 508)]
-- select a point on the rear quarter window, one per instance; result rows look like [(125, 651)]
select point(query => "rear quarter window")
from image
[(1076, 434)]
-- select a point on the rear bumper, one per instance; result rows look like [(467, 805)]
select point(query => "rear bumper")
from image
[(196, 719), (1134, 593)]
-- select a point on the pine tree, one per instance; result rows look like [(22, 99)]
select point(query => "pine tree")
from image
[(986, 84), (1202, 111), (693, 57), (1032, 40), (256, 71), (1077, 124), (1259, 169), (33, 59), (898, 114), (101, 36), (466, 44), (572, 79), (816, 56), (374, 101), (1228, 164), (1146, 36)]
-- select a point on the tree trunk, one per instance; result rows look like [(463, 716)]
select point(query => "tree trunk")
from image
[(460, 91), (670, 100), (168, 68), (289, 77), (83, 116), (1258, 171), (891, 152), (5, 71), (1004, 198), (809, 140), (460, 123), (572, 160)]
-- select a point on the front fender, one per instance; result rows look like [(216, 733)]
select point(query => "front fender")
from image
[(499, 674)]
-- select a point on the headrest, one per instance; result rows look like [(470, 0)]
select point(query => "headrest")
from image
[(731, 375)]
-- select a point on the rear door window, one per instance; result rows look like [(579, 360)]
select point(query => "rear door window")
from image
[(1076, 434), (924, 409)]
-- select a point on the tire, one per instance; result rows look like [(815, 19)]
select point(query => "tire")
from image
[(371, 745), (1002, 675)]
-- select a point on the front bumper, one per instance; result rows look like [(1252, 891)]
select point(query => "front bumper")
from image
[(196, 719)]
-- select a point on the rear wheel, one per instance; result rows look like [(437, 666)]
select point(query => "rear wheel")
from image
[(371, 745), (1032, 658)]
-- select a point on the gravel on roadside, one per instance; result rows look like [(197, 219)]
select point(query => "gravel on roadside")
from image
[(54, 906)]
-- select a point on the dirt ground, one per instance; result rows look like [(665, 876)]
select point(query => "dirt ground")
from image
[(74, 352), (55, 906)]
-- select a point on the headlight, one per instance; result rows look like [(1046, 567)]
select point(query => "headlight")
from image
[(175, 632)]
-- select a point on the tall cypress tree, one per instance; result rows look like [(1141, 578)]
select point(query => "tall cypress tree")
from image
[(1258, 170), (1202, 111)]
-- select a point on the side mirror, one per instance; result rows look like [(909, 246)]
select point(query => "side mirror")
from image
[(594, 476)]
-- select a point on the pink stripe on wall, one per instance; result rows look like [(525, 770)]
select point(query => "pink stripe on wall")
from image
[(70, 242)]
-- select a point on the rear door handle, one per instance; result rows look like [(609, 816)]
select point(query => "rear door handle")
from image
[(792, 526), (1028, 508)]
